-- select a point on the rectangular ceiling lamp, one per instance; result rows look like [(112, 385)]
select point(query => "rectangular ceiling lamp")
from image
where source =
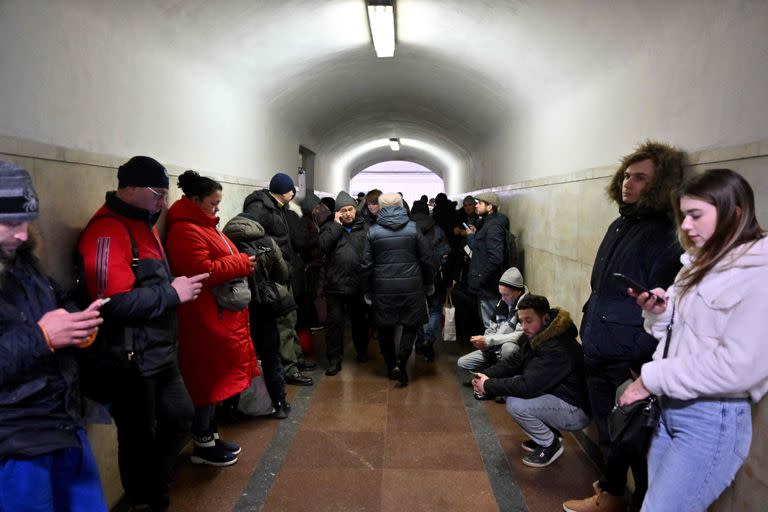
[(381, 17), (394, 144)]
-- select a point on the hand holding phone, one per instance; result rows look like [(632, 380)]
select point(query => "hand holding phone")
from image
[(638, 288), (475, 375), (465, 226), (97, 304)]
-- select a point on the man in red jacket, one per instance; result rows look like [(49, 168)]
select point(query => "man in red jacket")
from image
[(133, 363)]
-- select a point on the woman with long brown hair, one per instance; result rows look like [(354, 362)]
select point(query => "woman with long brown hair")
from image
[(715, 365)]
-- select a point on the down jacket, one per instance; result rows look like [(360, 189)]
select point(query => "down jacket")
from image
[(216, 355), (550, 363), (396, 269), (344, 255), (39, 392)]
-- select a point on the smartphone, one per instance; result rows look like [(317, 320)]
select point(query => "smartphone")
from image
[(465, 226), (475, 375), (637, 287)]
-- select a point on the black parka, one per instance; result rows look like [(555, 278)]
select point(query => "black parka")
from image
[(343, 256), (39, 392), (397, 267), (487, 263), (551, 363), (264, 209)]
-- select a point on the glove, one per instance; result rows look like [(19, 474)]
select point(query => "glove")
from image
[(368, 299), (429, 290)]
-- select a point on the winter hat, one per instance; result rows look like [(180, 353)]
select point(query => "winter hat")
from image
[(488, 197), (512, 278), (142, 171), (390, 200), (441, 198), (18, 201), (468, 200), (309, 202), (344, 199), (280, 183), (420, 207)]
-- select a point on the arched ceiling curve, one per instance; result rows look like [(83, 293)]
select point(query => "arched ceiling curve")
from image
[(460, 67)]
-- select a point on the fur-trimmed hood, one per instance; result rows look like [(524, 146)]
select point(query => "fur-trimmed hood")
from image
[(669, 163), (560, 324)]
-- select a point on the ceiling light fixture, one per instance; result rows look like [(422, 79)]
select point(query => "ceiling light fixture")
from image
[(381, 18), (394, 144)]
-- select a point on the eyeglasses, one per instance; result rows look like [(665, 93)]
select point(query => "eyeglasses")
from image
[(160, 196)]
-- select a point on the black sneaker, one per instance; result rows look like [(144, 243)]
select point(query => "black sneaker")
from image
[(544, 455), (231, 447), (531, 446), (212, 456), (282, 409)]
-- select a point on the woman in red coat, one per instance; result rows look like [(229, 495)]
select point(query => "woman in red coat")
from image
[(216, 354)]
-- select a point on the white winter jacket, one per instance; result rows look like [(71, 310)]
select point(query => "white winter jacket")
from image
[(720, 333)]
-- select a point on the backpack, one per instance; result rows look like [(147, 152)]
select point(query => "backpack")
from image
[(510, 250), (264, 289)]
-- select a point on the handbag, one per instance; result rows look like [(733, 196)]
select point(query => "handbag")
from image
[(255, 400), (234, 294), (633, 424), (449, 315)]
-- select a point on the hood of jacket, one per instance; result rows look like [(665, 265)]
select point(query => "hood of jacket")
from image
[(263, 196), (750, 254), (392, 217), (560, 324), (423, 222), (668, 162), (243, 228), (185, 210)]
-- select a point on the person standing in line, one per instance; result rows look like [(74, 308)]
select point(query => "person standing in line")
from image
[(487, 262), (46, 462), (640, 244), (133, 364), (397, 277), (716, 363), (342, 243), (216, 354)]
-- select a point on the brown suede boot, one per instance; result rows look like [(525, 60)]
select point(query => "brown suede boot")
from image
[(600, 502)]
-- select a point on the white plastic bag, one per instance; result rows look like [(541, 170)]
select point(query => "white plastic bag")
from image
[(255, 400), (449, 316)]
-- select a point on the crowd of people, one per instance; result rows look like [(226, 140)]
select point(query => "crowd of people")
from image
[(170, 334)]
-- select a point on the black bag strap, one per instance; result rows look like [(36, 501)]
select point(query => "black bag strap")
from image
[(669, 332)]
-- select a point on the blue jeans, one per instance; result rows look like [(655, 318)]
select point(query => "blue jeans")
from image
[(536, 415), (63, 480), (695, 452), (435, 308), (481, 359)]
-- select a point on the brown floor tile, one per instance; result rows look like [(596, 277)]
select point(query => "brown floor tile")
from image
[(346, 417), (432, 450), (426, 394), (353, 450), (431, 418), (205, 488), (438, 491), (368, 392), (326, 490)]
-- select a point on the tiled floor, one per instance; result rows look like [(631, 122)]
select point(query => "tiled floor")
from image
[(363, 444)]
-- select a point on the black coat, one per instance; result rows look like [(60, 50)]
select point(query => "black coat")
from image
[(265, 210), (39, 391), (551, 363), (397, 267), (344, 256), (487, 263), (436, 240), (645, 248)]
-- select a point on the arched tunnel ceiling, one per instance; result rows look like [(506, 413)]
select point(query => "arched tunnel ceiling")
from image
[(460, 66)]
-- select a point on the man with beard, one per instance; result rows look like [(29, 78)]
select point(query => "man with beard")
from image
[(46, 461)]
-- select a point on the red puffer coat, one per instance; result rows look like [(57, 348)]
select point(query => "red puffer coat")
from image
[(216, 355)]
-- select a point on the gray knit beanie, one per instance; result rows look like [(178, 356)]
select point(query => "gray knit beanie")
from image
[(18, 201), (512, 278), (344, 199)]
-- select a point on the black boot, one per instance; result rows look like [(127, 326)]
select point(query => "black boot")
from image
[(282, 409)]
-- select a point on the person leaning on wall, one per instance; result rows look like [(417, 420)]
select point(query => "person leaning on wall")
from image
[(46, 461)]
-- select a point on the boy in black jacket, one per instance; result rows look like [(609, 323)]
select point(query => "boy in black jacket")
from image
[(544, 381)]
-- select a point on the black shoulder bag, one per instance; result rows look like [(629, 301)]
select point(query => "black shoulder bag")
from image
[(632, 426)]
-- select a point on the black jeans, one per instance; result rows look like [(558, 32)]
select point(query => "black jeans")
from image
[(266, 341), (339, 308), (602, 381), (153, 416), (387, 342)]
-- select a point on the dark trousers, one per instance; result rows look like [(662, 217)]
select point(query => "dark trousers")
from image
[(203, 423), (387, 343), (153, 416), (266, 341), (468, 321), (602, 381), (340, 307)]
